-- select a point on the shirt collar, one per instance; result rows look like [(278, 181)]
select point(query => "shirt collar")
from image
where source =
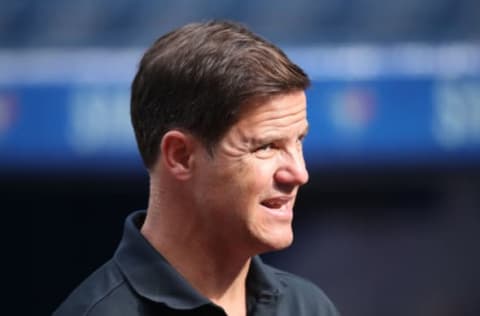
[(150, 274)]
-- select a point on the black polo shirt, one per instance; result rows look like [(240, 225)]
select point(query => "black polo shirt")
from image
[(139, 281)]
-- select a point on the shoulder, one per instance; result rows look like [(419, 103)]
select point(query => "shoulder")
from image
[(104, 292), (303, 295)]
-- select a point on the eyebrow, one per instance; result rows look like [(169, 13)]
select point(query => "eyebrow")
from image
[(261, 140)]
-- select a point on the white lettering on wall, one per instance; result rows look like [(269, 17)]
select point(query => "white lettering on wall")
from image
[(99, 120), (456, 117)]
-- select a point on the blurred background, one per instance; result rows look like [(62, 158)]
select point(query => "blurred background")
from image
[(390, 221)]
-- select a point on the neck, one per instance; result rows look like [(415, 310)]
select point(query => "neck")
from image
[(215, 270)]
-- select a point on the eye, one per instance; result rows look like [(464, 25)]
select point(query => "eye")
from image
[(266, 147), (301, 138), (265, 151)]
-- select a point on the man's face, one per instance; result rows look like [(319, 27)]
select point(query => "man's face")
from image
[(246, 192)]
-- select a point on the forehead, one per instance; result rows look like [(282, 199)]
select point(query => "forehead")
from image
[(285, 110)]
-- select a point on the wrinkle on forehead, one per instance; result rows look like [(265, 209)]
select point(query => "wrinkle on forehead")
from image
[(276, 103), (282, 117), (276, 119), (276, 112)]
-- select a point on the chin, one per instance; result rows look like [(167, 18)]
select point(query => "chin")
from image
[(275, 243), (282, 244)]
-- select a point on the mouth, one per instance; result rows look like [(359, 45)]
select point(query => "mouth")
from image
[(279, 206)]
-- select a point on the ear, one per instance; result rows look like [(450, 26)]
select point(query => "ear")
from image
[(177, 152)]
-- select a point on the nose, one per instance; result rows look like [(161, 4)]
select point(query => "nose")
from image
[(292, 170)]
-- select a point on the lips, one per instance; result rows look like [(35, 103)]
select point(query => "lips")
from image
[(276, 202)]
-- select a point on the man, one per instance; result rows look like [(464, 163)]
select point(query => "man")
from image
[(219, 116)]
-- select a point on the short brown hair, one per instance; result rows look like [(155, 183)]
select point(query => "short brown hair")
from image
[(198, 77)]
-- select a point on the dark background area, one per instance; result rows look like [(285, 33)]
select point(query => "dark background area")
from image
[(396, 242), (57, 23)]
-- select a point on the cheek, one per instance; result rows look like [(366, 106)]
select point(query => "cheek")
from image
[(241, 184), (259, 178)]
